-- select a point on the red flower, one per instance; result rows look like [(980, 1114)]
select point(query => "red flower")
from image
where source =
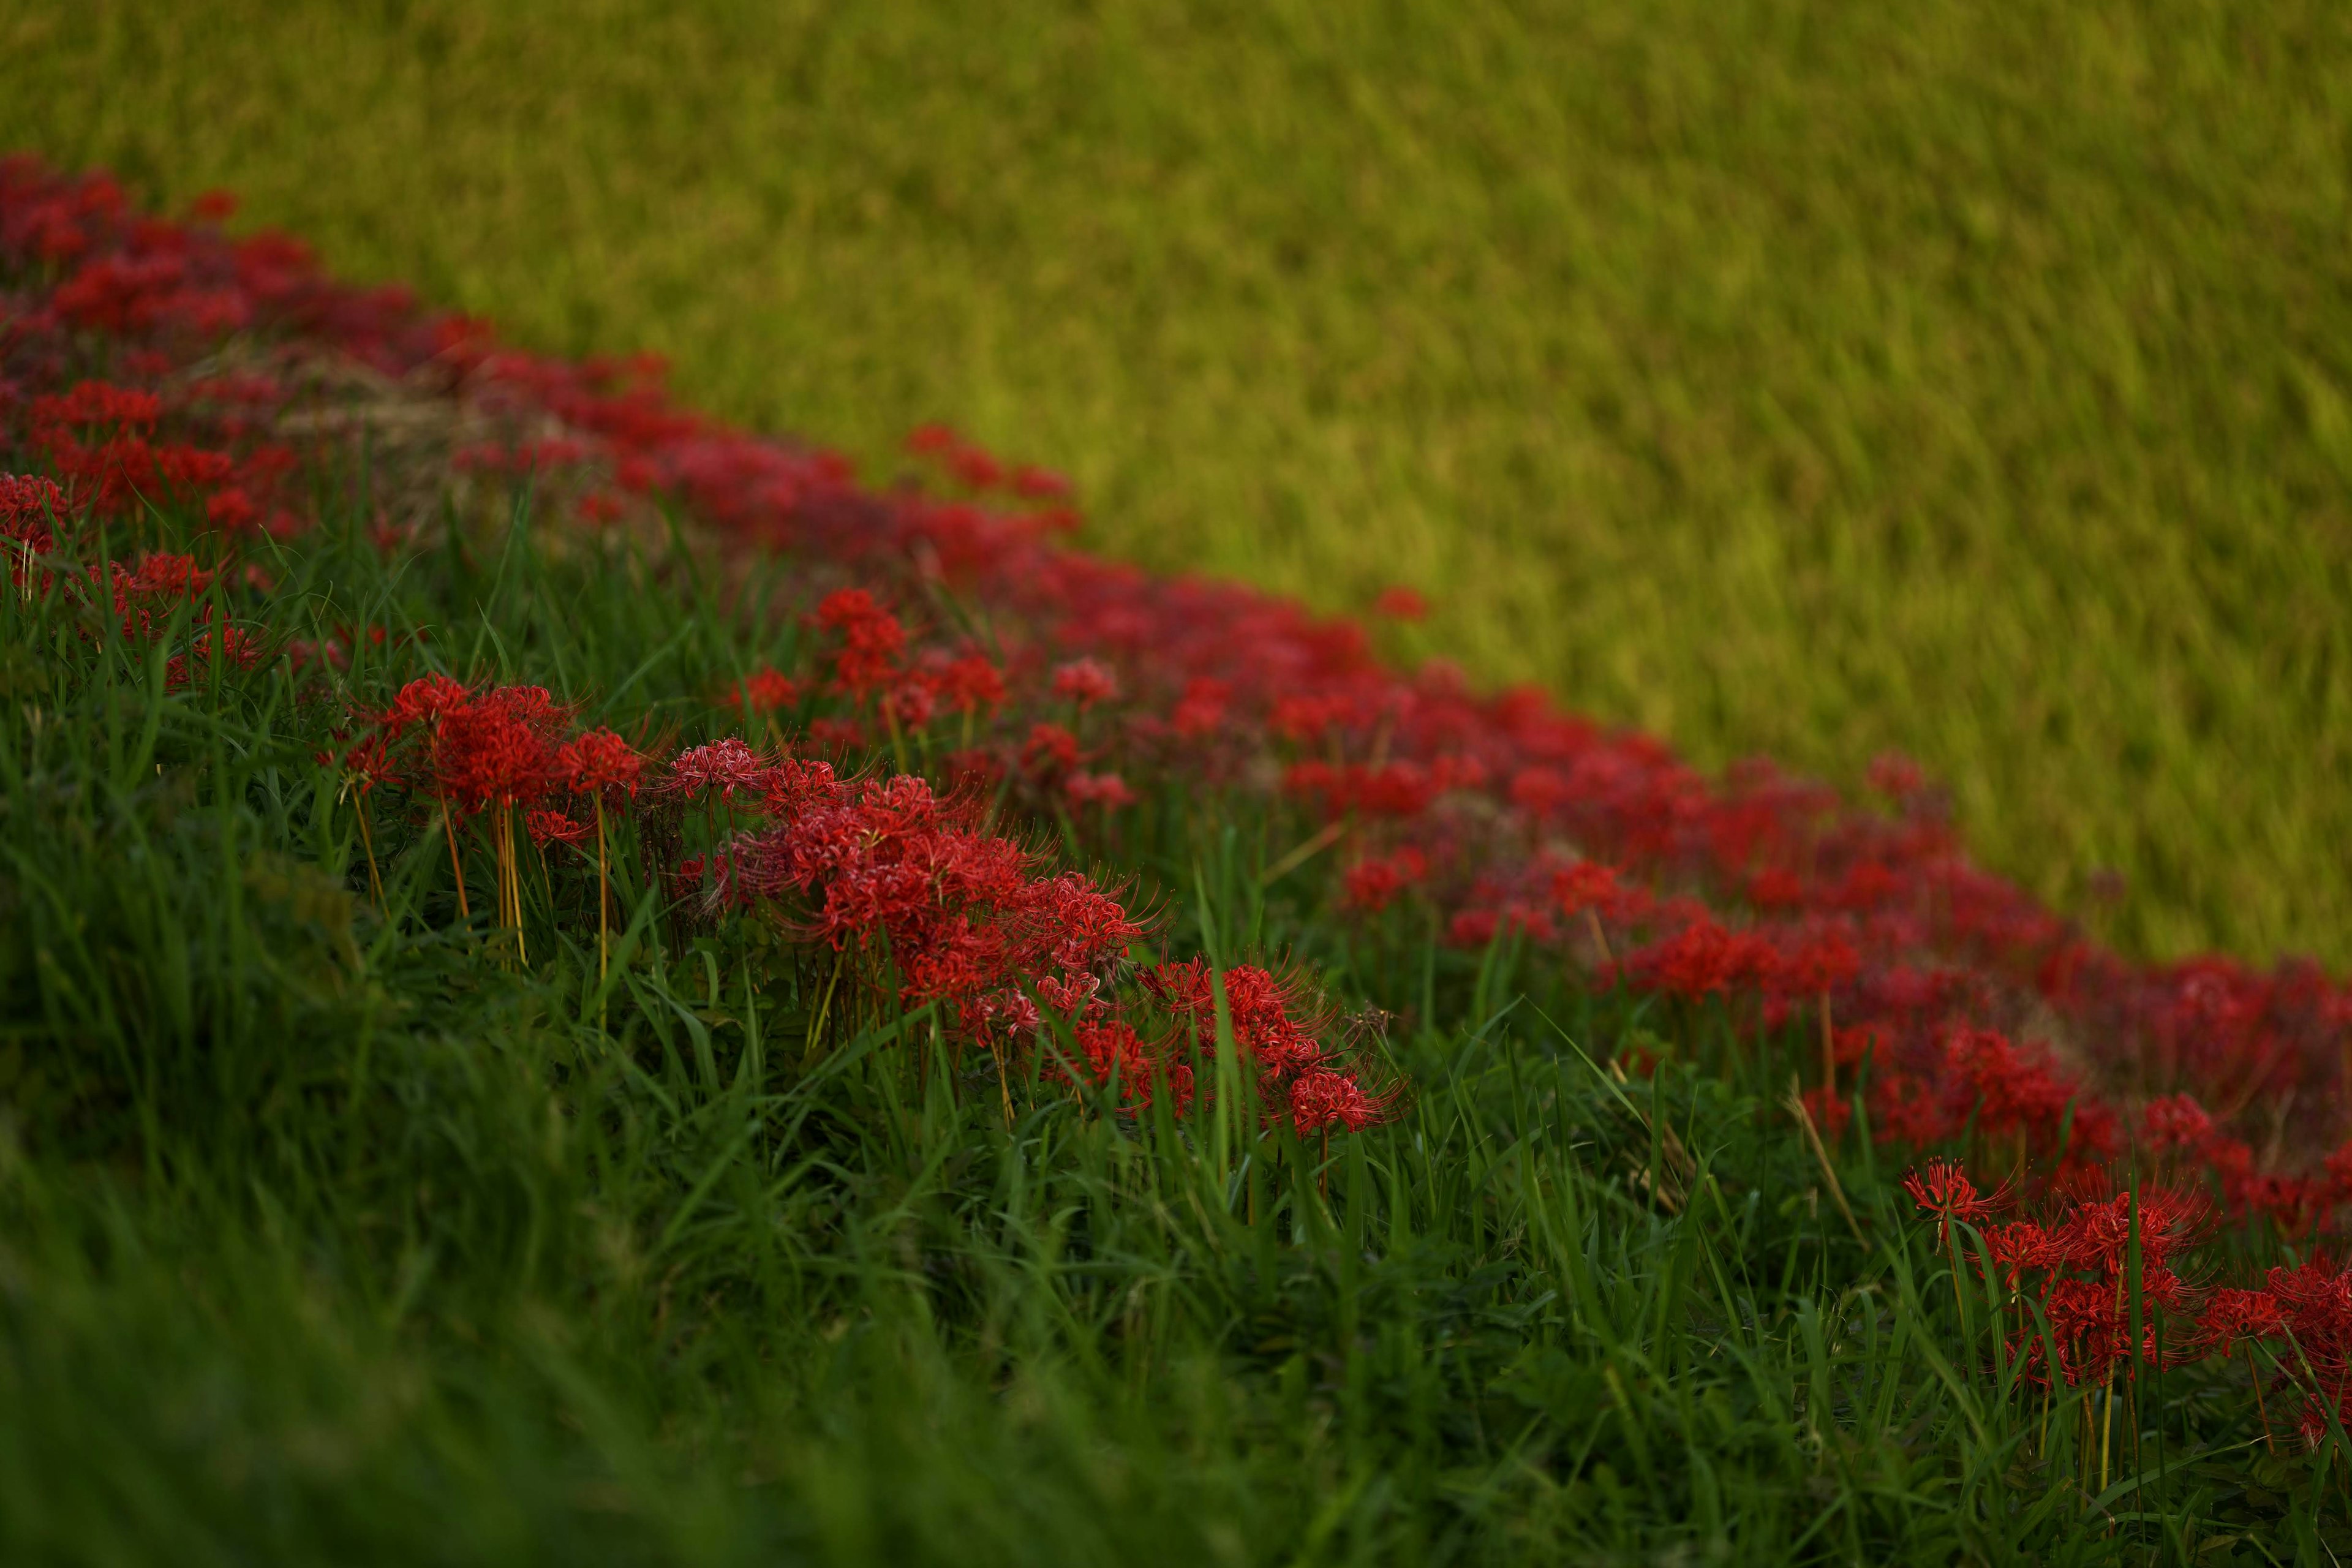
[(1401, 604), (599, 760), (1320, 1099), (2234, 1316), (1373, 885), (969, 684), (554, 827), (2176, 1123), (871, 639), (498, 748), (1085, 681), (726, 765), (763, 691), (1051, 749), (1039, 484), (1944, 1190), (1107, 790), (1586, 885), (1201, 710)]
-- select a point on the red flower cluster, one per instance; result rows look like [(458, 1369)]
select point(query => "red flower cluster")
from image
[(2075, 1264), (1298, 1079), (1752, 883)]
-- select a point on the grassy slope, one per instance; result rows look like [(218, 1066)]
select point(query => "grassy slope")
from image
[(1793, 378), (325, 1239)]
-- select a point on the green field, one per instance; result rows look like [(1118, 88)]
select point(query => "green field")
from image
[(1797, 377)]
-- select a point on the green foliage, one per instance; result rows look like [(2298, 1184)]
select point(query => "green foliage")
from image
[(327, 1233), (1787, 377)]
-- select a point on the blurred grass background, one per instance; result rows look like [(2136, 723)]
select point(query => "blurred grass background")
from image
[(1786, 377)]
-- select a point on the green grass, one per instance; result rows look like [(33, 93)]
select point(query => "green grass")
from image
[(1799, 378), (328, 1237)]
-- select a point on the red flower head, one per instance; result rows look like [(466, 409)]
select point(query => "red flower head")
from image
[(1945, 1191), (554, 827), (599, 762), (1051, 749), (2175, 1121), (1373, 885), (969, 684), (2234, 1316), (1894, 775), (498, 748), (423, 701), (726, 765), (1085, 681), (1039, 484), (910, 703), (1401, 604), (1111, 1048), (2022, 1248), (1201, 710), (1321, 1100), (29, 505), (1107, 790), (370, 762), (1586, 885), (871, 639), (763, 691)]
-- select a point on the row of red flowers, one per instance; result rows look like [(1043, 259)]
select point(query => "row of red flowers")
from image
[(1512, 820), (2089, 1279)]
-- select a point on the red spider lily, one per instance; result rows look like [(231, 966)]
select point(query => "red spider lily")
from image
[(1258, 1011), (970, 684), (1586, 885), (498, 749), (2020, 1247), (2234, 1316), (871, 639), (1112, 1048), (597, 762), (1085, 681), (554, 827), (2095, 1235), (763, 691), (1107, 790), (2176, 1123), (1904, 1107), (1945, 1190), (1201, 712), (842, 735), (30, 508), (1050, 749), (231, 646), (1401, 604), (1372, 885), (423, 702), (727, 765), (92, 405), (910, 704), (1321, 1100), (1039, 484), (1702, 957)]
